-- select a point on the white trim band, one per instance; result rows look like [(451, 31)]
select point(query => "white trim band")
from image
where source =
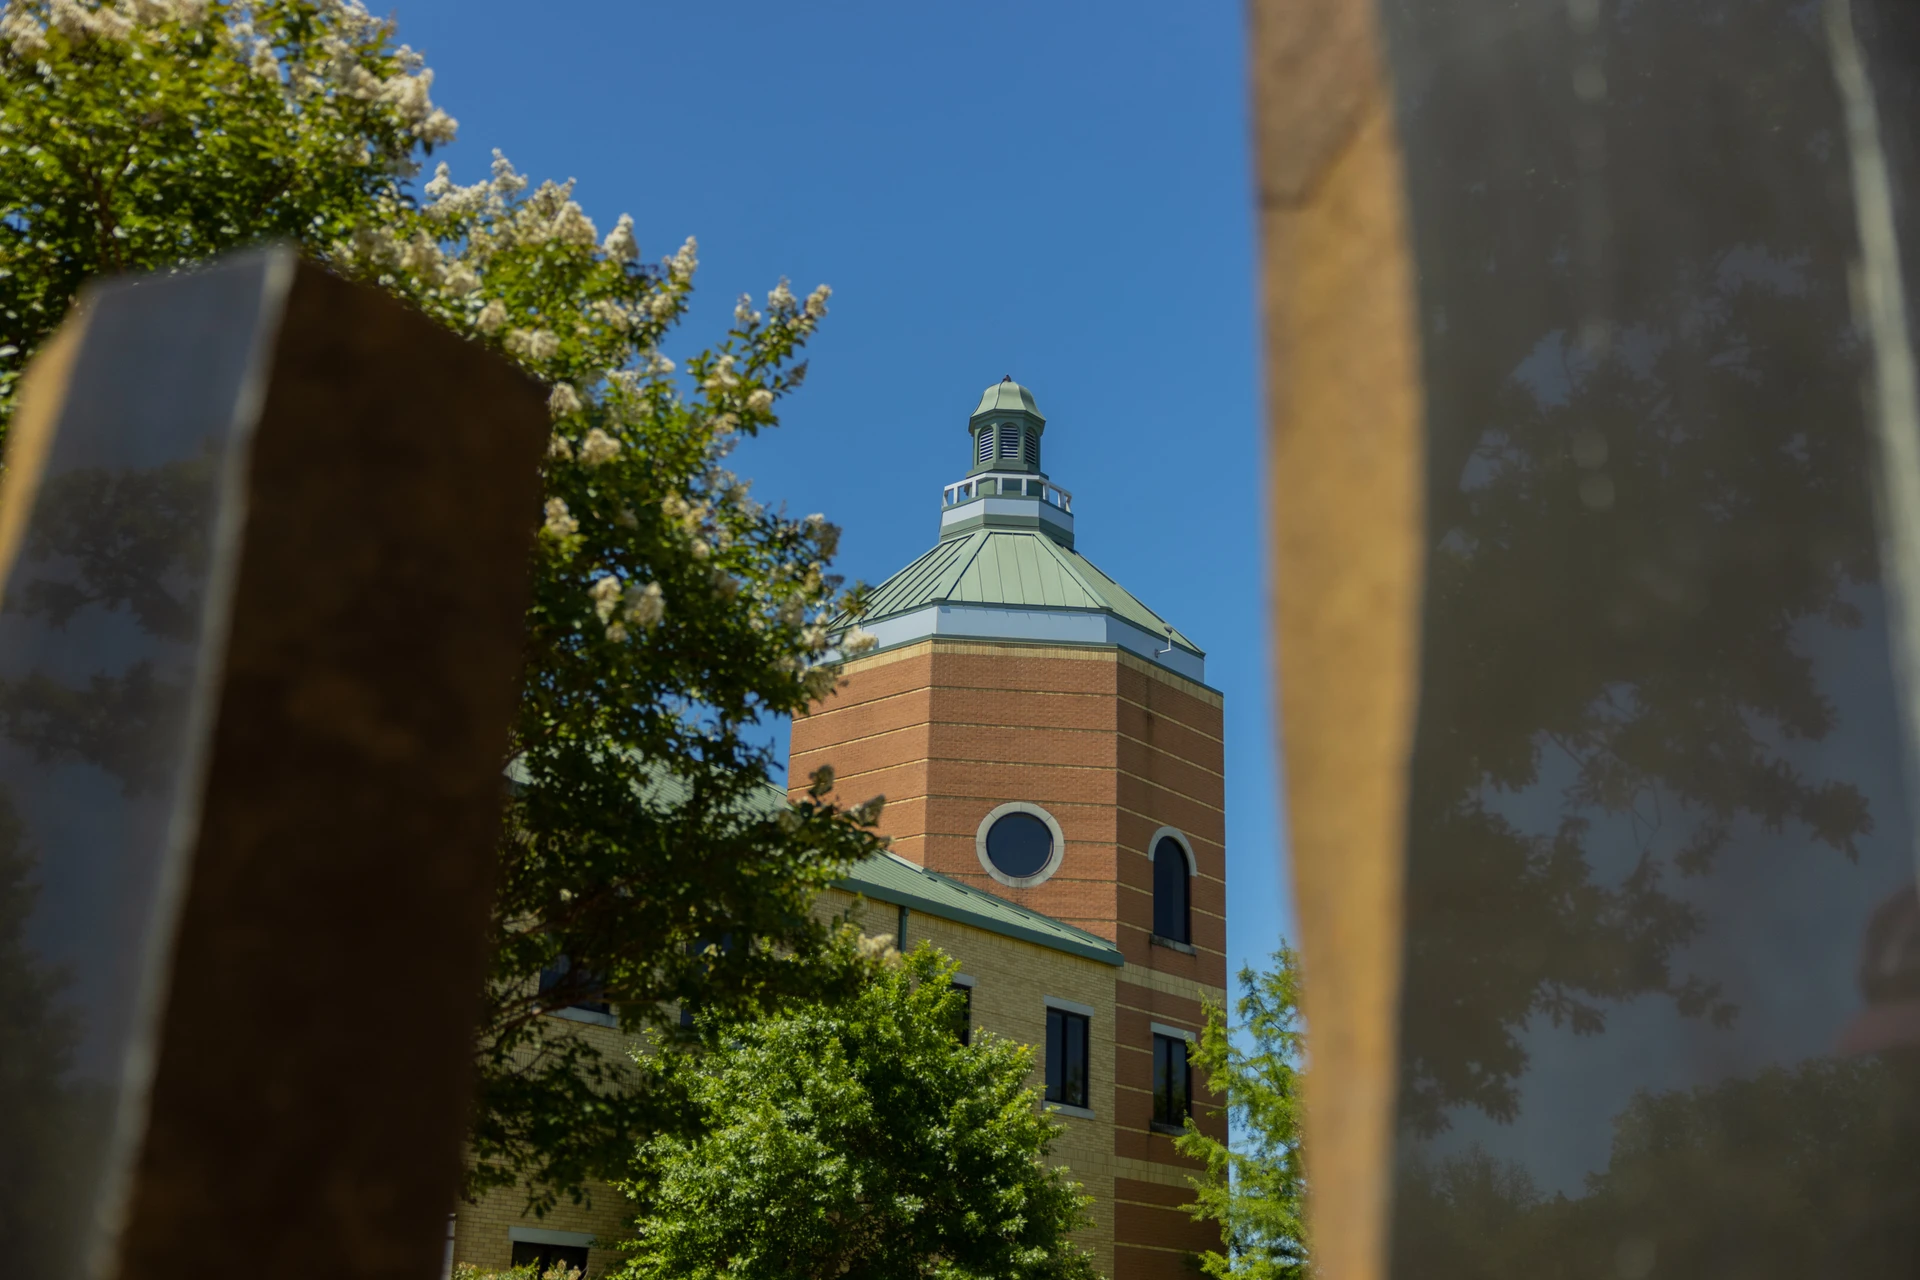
[(1043, 626), (1174, 1033), (1069, 1006)]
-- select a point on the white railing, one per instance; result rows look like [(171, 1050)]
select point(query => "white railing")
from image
[(1006, 484)]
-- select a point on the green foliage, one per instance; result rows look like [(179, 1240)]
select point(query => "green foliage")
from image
[(558, 1271), (672, 614), (1256, 1189), (862, 1140)]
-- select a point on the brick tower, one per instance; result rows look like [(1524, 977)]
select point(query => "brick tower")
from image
[(1044, 737)]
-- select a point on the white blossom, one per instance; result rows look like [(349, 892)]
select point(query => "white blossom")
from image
[(683, 263), (662, 305), (598, 447), (781, 301), (658, 364), (462, 280), (817, 302), (26, 37), (422, 256), (264, 64), (701, 550), (620, 244), (616, 631), (857, 641), (646, 605), (879, 948), (761, 401), (572, 226), (362, 84), (814, 638), (491, 316), (71, 20), (563, 400), (627, 519), (721, 376), (535, 344), (505, 180), (606, 596), (191, 12), (868, 811), (408, 94), (743, 312), (626, 381), (560, 522), (609, 313), (437, 129), (560, 447), (152, 10)]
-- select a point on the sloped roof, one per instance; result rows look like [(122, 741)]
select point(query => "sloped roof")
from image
[(887, 877), (1000, 566)]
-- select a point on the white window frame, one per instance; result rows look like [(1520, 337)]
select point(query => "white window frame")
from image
[(1054, 859)]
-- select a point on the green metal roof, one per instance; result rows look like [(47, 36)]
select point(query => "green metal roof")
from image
[(997, 566), (887, 877), (1007, 396)]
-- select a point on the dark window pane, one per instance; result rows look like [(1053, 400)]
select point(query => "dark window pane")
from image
[(1074, 1085), (1019, 845), (1170, 888), (554, 974), (1056, 1053), (1172, 1087), (966, 1012), (542, 1256)]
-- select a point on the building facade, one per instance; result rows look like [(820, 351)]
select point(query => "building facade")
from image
[(1047, 741), (1053, 765)]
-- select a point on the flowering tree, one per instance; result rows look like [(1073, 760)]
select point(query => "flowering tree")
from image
[(672, 613)]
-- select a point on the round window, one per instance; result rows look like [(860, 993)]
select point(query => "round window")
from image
[(1019, 845)]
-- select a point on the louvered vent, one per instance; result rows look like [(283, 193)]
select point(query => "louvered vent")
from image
[(1033, 448), (983, 447), (1009, 440)]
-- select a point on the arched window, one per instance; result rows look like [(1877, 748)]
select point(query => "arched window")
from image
[(1172, 916)]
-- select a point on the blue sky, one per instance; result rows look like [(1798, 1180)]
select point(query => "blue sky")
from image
[(1057, 191)]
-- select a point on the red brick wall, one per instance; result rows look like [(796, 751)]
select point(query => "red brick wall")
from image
[(1113, 748)]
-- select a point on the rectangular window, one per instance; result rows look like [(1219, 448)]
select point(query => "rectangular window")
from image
[(1066, 1058), (726, 946), (542, 1256), (1172, 1081), (966, 1012), (555, 975)]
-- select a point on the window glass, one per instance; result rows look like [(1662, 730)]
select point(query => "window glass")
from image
[(555, 975), (1171, 917), (1172, 1081), (965, 1017), (1066, 1058), (541, 1256), (1019, 845)]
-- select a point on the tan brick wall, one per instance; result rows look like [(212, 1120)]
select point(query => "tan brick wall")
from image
[(1114, 1150), (481, 1231)]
